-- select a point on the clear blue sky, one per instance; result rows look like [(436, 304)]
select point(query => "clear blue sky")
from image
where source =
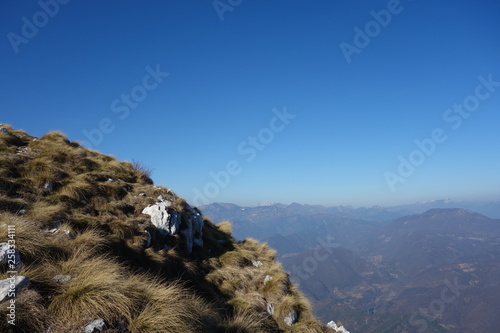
[(353, 119)]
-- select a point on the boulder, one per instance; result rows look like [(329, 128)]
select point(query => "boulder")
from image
[(166, 220)]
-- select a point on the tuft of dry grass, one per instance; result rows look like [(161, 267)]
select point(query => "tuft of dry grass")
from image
[(144, 172), (225, 227), (95, 292), (44, 213), (248, 321), (168, 307), (30, 315), (78, 188)]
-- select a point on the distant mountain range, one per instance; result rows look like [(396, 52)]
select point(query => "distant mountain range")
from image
[(426, 267)]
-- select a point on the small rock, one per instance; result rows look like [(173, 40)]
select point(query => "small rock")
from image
[(4, 257), (291, 318), (48, 186), (333, 325), (142, 194), (270, 308), (61, 278), (110, 180), (69, 234), (3, 130), (256, 263), (55, 227), (17, 283), (267, 278), (83, 202), (21, 212), (96, 326), (160, 198)]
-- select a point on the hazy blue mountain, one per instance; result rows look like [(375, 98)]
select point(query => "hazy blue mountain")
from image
[(406, 269)]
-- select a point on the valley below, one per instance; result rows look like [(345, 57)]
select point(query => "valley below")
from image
[(431, 267)]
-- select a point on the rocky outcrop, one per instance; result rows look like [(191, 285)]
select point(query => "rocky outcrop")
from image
[(168, 221), (193, 229), (165, 219)]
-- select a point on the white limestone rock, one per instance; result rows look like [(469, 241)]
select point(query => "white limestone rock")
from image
[(95, 326), (11, 286), (291, 318), (5, 256), (166, 222), (193, 231), (171, 222), (270, 308), (333, 325), (61, 278), (267, 278), (257, 263)]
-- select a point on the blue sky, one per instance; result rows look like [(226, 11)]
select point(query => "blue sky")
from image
[(262, 102)]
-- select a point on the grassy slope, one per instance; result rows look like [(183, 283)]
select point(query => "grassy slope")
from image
[(114, 276)]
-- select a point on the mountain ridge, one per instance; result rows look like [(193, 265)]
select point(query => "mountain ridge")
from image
[(99, 248), (389, 275)]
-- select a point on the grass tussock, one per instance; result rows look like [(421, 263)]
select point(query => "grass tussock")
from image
[(96, 291), (31, 315)]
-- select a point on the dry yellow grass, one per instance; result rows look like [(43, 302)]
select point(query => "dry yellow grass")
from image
[(78, 188), (30, 315), (95, 292), (43, 212), (168, 307)]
